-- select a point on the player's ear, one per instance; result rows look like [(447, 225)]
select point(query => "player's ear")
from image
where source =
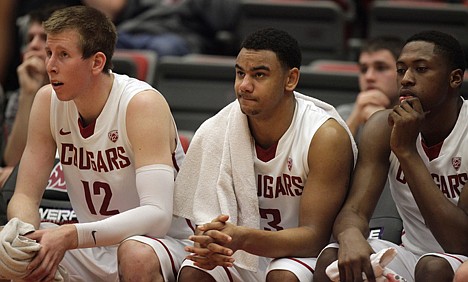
[(456, 78), (99, 61), (292, 79)]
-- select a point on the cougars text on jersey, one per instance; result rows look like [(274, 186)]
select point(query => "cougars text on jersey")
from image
[(101, 161), (272, 187), (450, 185)]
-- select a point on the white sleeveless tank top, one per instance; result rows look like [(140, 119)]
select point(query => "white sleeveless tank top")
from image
[(280, 180)]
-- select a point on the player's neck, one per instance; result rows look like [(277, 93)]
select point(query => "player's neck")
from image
[(268, 131), (439, 123), (91, 105)]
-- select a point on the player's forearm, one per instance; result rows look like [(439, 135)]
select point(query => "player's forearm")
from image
[(350, 222), (25, 209), (297, 242), (155, 184), (144, 220)]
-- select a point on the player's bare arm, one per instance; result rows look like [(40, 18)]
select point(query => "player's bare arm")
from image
[(331, 163), (445, 220), (36, 163), (351, 227), (35, 167), (369, 176), (150, 129)]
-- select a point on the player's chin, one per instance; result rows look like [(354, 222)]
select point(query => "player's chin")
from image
[(249, 112), (248, 108)]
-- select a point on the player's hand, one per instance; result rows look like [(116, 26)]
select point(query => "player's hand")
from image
[(208, 260), (405, 120), (222, 232), (210, 248), (54, 242), (208, 239), (208, 254), (354, 259)]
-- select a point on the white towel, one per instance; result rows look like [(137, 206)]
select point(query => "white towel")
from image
[(217, 176), (17, 251), (379, 262)]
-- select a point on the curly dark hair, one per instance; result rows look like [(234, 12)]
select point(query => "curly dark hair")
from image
[(280, 42)]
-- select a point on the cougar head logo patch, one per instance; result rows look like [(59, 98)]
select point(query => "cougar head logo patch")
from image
[(113, 135)]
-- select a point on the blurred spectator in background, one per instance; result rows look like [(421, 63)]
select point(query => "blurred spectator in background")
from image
[(170, 27), (32, 75), (12, 18), (377, 81), (7, 24)]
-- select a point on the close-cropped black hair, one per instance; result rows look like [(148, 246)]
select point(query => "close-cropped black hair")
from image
[(445, 45), (280, 42)]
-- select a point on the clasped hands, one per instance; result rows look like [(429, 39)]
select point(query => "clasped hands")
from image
[(214, 244)]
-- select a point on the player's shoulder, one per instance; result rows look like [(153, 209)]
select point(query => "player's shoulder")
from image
[(44, 94), (333, 133), (381, 116), (148, 98), (376, 133), (45, 90), (378, 123), (148, 104), (332, 126)]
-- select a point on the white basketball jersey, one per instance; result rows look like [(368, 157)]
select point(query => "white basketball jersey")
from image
[(449, 170), (281, 179), (99, 169)]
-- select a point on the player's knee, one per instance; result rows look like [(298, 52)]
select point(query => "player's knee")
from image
[(189, 274), (136, 258), (327, 256), (432, 268), (281, 276)]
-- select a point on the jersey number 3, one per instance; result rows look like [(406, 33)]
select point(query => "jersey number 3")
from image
[(274, 217)]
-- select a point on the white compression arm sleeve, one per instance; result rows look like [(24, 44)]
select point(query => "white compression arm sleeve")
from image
[(155, 185)]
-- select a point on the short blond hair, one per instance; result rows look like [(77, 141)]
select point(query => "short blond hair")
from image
[(97, 32)]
